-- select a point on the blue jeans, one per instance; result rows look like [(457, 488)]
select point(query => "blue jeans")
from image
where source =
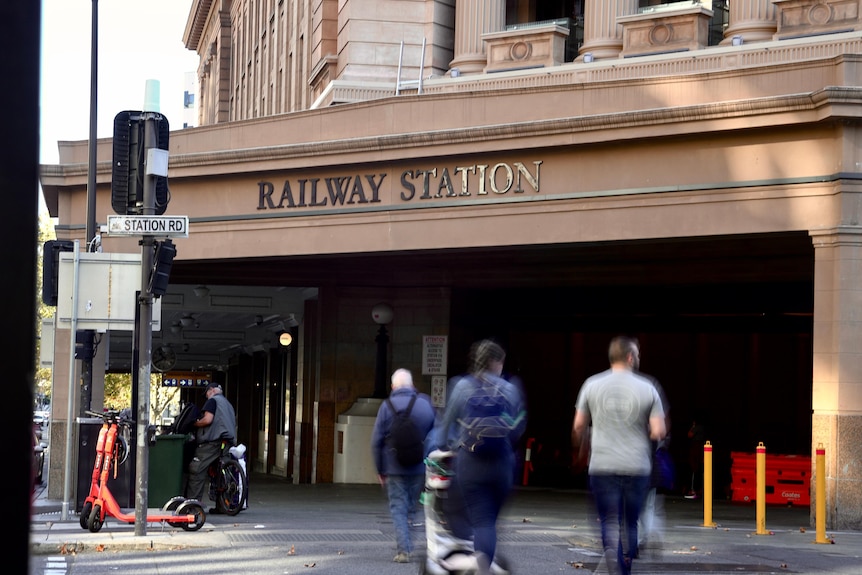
[(619, 499), (403, 492), (484, 485)]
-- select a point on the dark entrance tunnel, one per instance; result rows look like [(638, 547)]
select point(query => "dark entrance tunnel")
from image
[(725, 325)]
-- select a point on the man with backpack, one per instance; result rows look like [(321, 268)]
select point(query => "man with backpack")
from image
[(483, 422), (398, 447)]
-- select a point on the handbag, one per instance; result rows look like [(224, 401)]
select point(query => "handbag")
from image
[(663, 471)]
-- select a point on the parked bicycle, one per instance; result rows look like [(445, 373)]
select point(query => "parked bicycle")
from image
[(228, 481)]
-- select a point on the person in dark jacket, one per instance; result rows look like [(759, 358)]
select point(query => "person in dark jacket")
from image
[(403, 484), (216, 424)]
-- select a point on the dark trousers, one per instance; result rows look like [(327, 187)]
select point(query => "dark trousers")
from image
[(619, 499), (484, 484), (205, 454)]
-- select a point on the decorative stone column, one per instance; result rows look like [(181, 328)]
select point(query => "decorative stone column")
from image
[(753, 20), (603, 35), (837, 377), (472, 19)]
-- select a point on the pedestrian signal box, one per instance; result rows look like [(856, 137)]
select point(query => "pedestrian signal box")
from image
[(127, 167), (51, 268)]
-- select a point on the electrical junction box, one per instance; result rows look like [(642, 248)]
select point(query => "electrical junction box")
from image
[(108, 284)]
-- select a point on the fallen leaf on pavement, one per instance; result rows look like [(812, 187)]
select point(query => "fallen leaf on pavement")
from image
[(575, 564), (100, 547), (311, 564), (341, 552), (783, 565), (292, 550), (802, 529), (527, 520), (693, 548)]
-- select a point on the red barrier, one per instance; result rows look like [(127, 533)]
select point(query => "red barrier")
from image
[(788, 478)]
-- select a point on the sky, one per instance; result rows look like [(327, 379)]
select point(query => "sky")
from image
[(138, 40)]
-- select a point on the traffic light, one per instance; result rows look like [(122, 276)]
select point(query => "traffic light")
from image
[(51, 268), (127, 167), (84, 349), (163, 261)]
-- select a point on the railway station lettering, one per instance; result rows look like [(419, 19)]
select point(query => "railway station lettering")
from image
[(476, 180)]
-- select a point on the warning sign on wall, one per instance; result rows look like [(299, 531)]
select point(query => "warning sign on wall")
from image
[(434, 354)]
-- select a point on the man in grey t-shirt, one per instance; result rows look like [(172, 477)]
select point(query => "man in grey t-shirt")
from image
[(624, 412)]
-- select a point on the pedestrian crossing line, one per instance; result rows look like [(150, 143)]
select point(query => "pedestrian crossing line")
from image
[(55, 565)]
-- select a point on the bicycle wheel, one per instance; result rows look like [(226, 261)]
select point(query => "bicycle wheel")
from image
[(230, 488)]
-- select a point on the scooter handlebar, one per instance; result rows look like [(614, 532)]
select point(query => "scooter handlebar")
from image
[(111, 415)]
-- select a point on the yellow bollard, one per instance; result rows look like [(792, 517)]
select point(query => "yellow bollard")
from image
[(760, 492), (820, 495), (707, 485)]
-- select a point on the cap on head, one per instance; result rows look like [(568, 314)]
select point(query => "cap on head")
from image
[(213, 385)]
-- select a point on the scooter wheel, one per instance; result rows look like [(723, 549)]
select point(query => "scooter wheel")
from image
[(95, 522), (191, 507), (85, 514), (173, 503)]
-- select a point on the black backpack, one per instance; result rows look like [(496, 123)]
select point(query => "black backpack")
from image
[(185, 422), (404, 437)]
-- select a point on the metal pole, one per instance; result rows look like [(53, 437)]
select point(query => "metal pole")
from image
[(382, 339), (760, 492), (91, 174), (67, 464), (707, 485), (145, 332), (87, 361), (398, 75), (820, 495)]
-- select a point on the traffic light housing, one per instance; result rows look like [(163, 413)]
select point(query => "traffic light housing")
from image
[(84, 348), (51, 268), (127, 167), (163, 261)]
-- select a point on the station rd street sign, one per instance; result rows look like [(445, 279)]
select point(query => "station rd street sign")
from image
[(158, 226)]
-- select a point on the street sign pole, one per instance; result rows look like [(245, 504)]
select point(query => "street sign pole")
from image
[(145, 335), (88, 349)]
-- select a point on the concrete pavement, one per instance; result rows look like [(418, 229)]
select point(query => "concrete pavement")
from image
[(540, 531)]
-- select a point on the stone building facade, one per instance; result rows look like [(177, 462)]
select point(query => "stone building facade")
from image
[(551, 176)]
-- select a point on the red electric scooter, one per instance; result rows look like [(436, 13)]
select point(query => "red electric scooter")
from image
[(111, 452)]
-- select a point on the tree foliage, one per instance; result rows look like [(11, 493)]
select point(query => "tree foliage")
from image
[(163, 400), (42, 380)]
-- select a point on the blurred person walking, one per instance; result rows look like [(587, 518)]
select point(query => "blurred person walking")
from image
[(662, 478), (483, 422), (624, 412)]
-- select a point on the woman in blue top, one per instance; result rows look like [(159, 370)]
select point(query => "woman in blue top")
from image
[(482, 423)]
